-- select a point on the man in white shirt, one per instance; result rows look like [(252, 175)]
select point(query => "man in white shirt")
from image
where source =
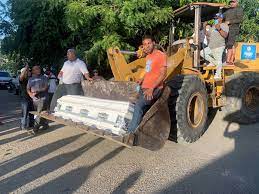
[(71, 75)]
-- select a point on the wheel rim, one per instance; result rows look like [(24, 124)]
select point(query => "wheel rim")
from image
[(251, 98), (195, 110)]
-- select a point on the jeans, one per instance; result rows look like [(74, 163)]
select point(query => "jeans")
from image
[(65, 89), (142, 106), (27, 119), (40, 104), (214, 56), (49, 99)]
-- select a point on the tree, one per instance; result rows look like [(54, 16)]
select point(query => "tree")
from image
[(40, 34), (41, 31), (250, 25), (117, 23)]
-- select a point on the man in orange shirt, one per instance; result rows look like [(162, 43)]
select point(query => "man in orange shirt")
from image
[(152, 83)]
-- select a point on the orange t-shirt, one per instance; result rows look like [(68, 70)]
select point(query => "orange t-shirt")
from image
[(154, 62)]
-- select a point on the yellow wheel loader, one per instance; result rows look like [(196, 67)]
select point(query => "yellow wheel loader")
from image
[(190, 92)]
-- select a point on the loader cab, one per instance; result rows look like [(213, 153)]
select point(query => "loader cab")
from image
[(187, 24)]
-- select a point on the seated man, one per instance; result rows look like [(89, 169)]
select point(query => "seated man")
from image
[(37, 89), (214, 52), (151, 84), (70, 75)]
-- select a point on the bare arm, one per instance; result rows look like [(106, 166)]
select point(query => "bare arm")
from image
[(31, 94), (221, 31), (24, 73), (204, 29), (60, 74), (88, 77)]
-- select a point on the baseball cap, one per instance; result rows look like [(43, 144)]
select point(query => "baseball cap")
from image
[(219, 15)]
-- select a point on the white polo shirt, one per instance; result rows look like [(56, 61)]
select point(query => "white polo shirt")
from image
[(73, 71)]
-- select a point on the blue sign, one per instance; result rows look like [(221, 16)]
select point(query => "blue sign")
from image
[(248, 52)]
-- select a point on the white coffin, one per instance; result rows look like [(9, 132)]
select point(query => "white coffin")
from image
[(113, 116)]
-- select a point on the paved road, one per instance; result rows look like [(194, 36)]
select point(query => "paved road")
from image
[(65, 160)]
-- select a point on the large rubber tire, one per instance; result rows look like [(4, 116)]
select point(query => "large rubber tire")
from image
[(186, 90), (242, 98)]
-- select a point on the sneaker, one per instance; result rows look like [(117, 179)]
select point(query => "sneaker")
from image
[(44, 127), (35, 130)]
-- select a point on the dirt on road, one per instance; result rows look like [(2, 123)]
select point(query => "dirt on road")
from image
[(66, 160)]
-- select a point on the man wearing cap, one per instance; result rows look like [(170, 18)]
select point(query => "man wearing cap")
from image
[(71, 75), (233, 18), (27, 119), (214, 52)]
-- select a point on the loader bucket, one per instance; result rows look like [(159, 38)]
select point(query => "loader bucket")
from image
[(154, 129), (110, 90)]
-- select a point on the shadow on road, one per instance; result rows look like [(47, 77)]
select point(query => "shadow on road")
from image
[(14, 138), (26, 176), (237, 171), (71, 181), (67, 183), (128, 183), (30, 156), (25, 135), (50, 129), (9, 131)]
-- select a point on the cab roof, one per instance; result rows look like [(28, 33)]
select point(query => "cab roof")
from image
[(208, 11)]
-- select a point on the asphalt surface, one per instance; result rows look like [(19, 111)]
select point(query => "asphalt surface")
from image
[(66, 160)]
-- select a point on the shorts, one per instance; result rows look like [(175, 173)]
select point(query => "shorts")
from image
[(232, 35)]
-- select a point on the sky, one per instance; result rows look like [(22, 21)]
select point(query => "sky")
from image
[(2, 1)]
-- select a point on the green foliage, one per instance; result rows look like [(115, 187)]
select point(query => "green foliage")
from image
[(40, 31), (250, 25), (117, 23)]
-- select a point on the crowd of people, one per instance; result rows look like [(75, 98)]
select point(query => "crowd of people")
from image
[(40, 92), (221, 36)]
